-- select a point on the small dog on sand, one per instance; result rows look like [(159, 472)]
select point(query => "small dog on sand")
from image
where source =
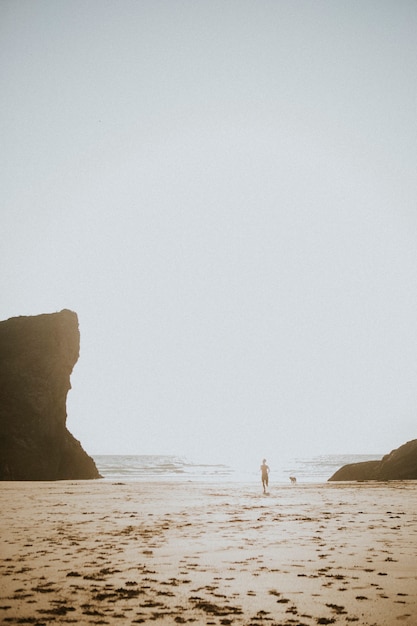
[(293, 479)]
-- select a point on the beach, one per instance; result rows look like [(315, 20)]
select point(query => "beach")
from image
[(166, 552)]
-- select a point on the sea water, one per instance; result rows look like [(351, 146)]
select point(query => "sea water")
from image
[(316, 469)]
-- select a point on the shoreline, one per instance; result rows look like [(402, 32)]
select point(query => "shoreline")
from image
[(315, 469), (114, 551)]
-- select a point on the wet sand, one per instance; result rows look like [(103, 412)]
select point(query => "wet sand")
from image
[(102, 552)]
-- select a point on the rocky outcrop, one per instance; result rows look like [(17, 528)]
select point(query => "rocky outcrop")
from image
[(37, 356), (400, 464)]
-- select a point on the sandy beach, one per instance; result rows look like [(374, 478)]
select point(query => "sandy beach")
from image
[(106, 552)]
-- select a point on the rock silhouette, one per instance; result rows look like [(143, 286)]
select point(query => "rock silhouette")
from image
[(400, 464), (37, 356)]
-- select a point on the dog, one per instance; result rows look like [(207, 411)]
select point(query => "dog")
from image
[(293, 479)]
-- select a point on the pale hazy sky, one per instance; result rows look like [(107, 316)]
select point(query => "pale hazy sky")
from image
[(225, 193)]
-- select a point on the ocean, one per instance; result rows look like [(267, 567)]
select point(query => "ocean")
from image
[(316, 469)]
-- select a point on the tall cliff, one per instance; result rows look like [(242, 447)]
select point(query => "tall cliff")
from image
[(400, 464), (37, 356)]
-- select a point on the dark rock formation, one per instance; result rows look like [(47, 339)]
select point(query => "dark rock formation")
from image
[(400, 464), (37, 355)]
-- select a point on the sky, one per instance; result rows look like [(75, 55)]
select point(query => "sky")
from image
[(225, 193)]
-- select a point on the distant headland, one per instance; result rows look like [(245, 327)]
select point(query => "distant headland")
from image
[(400, 464), (37, 356)]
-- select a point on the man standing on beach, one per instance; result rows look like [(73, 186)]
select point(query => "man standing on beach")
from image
[(264, 474)]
